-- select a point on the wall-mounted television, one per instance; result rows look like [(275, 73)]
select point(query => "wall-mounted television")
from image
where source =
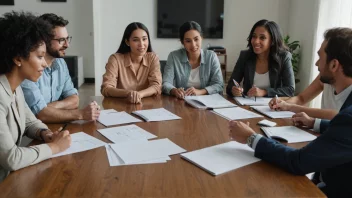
[(173, 13)]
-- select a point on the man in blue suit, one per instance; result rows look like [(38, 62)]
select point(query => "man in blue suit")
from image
[(331, 153)]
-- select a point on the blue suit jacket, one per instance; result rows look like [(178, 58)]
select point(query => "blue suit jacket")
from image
[(330, 153)]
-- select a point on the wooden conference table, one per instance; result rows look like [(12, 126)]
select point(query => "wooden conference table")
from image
[(88, 174)]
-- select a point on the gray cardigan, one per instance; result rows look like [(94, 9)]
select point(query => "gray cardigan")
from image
[(282, 82), (178, 69)]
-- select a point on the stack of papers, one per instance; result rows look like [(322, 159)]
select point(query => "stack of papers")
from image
[(259, 101), (142, 152), (236, 113), (213, 101), (222, 158), (272, 113), (111, 117), (132, 146), (156, 115), (290, 134), (81, 142)]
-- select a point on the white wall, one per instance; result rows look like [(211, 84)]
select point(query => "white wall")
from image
[(113, 16), (80, 27), (303, 23)]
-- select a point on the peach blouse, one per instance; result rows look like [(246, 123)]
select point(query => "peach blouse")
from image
[(120, 74)]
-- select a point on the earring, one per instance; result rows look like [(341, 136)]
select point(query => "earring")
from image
[(128, 45), (19, 65)]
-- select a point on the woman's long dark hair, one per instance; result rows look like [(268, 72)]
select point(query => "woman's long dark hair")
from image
[(187, 26), (277, 44), (124, 48)]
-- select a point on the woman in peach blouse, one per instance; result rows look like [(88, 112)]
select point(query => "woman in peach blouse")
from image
[(134, 70)]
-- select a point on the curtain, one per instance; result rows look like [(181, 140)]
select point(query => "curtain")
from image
[(332, 13)]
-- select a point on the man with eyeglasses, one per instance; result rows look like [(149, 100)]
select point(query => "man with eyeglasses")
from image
[(53, 99)]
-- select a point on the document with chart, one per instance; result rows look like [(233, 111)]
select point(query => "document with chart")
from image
[(81, 142), (126, 133)]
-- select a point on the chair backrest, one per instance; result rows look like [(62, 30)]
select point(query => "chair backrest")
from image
[(162, 66)]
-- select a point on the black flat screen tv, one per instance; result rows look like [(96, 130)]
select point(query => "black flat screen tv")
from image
[(173, 13)]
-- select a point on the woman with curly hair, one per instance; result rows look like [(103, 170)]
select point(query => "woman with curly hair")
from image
[(22, 51)]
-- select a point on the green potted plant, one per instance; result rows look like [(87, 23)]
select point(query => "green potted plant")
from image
[(293, 47)]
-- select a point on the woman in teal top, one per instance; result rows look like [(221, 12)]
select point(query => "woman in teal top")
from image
[(191, 70)]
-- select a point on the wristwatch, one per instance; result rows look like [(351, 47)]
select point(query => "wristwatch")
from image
[(250, 139)]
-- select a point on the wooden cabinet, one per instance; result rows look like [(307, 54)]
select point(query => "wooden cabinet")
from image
[(223, 60)]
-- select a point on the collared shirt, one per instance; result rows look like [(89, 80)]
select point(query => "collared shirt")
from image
[(120, 74), (178, 69), (55, 84)]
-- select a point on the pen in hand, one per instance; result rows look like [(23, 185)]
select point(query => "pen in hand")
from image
[(238, 86), (62, 128), (276, 102), (255, 97)]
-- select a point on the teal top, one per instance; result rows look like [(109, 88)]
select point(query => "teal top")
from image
[(177, 71)]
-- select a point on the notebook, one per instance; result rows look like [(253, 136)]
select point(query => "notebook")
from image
[(290, 134), (112, 117), (236, 113), (221, 158), (272, 113), (156, 115), (259, 101), (213, 101)]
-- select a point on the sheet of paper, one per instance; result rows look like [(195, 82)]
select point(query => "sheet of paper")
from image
[(115, 118), (236, 113), (212, 101), (126, 133), (260, 101), (107, 111), (81, 142), (142, 150), (195, 103), (290, 133), (272, 113), (167, 146), (222, 158), (115, 160), (159, 114)]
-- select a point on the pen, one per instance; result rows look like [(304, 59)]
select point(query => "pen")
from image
[(276, 98), (255, 97), (238, 86), (63, 128)]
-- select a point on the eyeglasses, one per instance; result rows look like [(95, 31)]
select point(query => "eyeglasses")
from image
[(63, 40)]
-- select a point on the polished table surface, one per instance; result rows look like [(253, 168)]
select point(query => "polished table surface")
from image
[(88, 174)]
